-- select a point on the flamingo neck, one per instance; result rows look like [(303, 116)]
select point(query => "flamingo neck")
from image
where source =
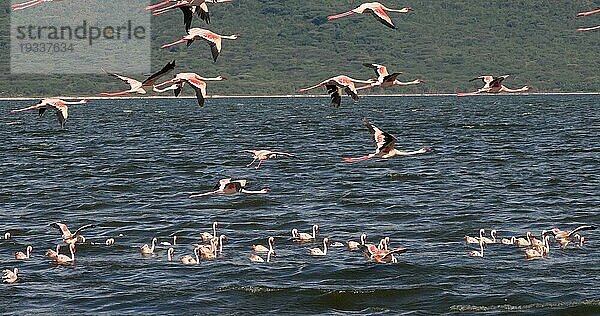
[(324, 247), (341, 15)]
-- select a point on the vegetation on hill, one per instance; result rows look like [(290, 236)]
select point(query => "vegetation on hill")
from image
[(286, 45)]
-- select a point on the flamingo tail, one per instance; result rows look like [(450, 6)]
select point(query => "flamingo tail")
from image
[(341, 15), (346, 159), (174, 43)]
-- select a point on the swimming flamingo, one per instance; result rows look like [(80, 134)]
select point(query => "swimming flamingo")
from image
[(63, 259), (166, 243), (305, 236), (353, 245), (475, 253), (318, 251), (258, 259), (384, 79), (208, 236), (486, 240), (493, 85), (9, 276), (213, 39), (229, 186), (264, 154), (19, 255), (538, 252), (194, 80), (61, 107), (336, 86), (148, 250), (385, 146), (261, 248), (52, 253), (67, 236), (187, 259), (135, 86), (522, 242), (475, 240), (170, 252), (376, 9), (209, 252)]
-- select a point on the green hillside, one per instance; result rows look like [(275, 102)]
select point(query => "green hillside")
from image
[(286, 45)]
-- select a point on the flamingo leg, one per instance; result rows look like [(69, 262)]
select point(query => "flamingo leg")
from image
[(583, 29), (29, 108), (154, 6), (165, 9), (258, 166), (588, 12), (250, 164), (204, 194), (346, 159), (112, 94), (25, 5), (341, 15), (174, 43), (468, 93), (310, 88)]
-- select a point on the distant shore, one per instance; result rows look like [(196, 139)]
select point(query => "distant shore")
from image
[(296, 96)]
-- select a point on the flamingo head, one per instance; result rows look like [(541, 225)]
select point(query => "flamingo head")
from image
[(271, 240), (326, 240), (363, 238), (407, 9), (294, 232), (7, 236), (420, 81), (494, 233), (426, 149)]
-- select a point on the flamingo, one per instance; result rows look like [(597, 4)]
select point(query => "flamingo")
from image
[(258, 259), (353, 245), (377, 9), (377, 255), (187, 259), (61, 107), (263, 154), (167, 243), (220, 243), (209, 252), (148, 250), (493, 240), (305, 236), (475, 240), (170, 252), (261, 248), (336, 86), (384, 79), (197, 82), (213, 39), (385, 146), (52, 253), (522, 242), (563, 237), (475, 253), (19, 255), (229, 186), (63, 259), (109, 241), (135, 86), (188, 7), (318, 251), (28, 4), (10, 277), (206, 236), (67, 236), (539, 251), (493, 85)]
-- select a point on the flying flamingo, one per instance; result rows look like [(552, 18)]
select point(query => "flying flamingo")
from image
[(229, 186), (385, 79), (376, 9), (61, 107), (19, 255), (493, 85), (194, 80), (213, 39), (385, 146), (166, 69), (264, 154), (336, 86), (135, 86), (27, 4), (67, 236), (188, 7)]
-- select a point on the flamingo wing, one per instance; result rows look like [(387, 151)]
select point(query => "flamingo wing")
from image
[(497, 81), (352, 93), (485, 79), (584, 227), (383, 17), (200, 88), (82, 228), (202, 12), (62, 113), (334, 93), (385, 141), (132, 82), (62, 227), (380, 70), (157, 75), (392, 77), (187, 17)]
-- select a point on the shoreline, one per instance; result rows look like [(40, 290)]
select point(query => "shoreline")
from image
[(296, 96)]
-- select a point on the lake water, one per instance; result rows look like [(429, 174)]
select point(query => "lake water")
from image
[(513, 163)]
